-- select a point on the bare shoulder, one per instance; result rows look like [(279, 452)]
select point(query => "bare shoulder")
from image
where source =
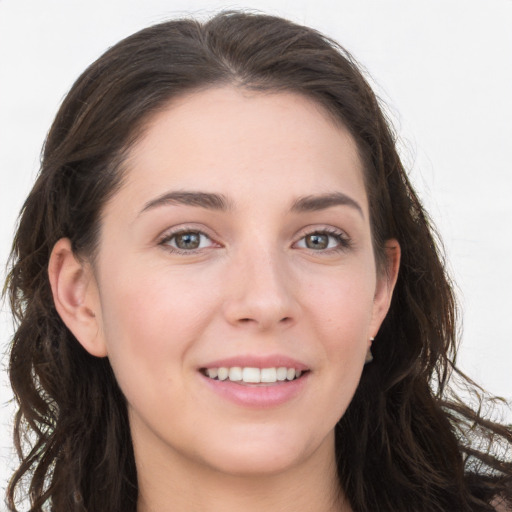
[(500, 505)]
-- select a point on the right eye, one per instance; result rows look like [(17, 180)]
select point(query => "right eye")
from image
[(187, 241)]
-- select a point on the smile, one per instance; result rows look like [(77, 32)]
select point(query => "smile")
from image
[(251, 375)]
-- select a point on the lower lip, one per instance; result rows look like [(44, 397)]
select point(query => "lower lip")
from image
[(258, 396)]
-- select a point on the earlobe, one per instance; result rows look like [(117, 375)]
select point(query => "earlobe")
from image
[(76, 299), (386, 281)]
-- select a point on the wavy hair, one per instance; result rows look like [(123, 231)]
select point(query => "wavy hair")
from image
[(406, 441)]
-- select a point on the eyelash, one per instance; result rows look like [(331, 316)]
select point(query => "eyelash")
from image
[(165, 241), (344, 243)]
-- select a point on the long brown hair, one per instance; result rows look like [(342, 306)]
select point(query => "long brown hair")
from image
[(405, 443)]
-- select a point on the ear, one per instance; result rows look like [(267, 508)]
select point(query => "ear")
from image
[(386, 280), (76, 297)]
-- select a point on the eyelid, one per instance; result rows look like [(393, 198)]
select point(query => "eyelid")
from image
[(170, 233), (345, 241)]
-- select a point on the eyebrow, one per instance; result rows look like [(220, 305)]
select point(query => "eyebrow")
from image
[(206, 200), (220, 202), (324, 201)]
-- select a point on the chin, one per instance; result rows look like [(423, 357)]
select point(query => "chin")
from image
[(250, 463), (266, 452)]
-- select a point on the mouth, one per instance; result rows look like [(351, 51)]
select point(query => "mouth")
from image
[(254, 376), (257, 382)]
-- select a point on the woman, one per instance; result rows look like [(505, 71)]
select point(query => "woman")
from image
[(229, 295)]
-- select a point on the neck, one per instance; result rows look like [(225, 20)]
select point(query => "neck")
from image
[(167, 483)]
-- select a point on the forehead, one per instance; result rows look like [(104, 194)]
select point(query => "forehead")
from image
[(244, 143)]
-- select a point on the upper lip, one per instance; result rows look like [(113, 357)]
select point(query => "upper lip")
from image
[(257, 361)]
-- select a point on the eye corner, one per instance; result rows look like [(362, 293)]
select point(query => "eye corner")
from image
[(327, 240), (194, 241)]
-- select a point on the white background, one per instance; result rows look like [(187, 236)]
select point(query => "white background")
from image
[(444, 67)]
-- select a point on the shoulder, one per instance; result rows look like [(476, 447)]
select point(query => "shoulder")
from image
[(500, 505)]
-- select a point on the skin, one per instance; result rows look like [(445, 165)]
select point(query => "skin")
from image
[(253, 287)]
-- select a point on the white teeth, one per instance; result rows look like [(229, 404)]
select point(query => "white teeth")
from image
[(281, 373), (212, 372), (253, 375), (268, 375), (235, 373), (223, 373)]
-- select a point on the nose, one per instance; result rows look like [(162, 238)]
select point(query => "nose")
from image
[(260, 292)]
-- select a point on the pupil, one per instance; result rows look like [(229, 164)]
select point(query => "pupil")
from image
[(188, 241), (317, 241)]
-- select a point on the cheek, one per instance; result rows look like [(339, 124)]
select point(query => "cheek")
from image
[(150, 322), (339, 310), (341, 303)]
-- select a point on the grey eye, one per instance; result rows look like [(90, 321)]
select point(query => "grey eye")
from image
[(323, 241), (189, 240), (317, 241)]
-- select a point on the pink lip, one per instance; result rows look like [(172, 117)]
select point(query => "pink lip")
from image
[(249, 361), (257, 395)]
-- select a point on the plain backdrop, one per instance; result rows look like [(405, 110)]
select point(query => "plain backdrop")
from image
[(443, 67)]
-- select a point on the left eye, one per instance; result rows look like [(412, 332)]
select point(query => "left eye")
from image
[(321, 241), (188, 241)]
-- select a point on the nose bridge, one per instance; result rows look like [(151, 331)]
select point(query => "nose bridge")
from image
[(260, 289)]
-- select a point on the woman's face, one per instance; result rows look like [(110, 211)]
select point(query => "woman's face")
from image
[(239, 244)]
